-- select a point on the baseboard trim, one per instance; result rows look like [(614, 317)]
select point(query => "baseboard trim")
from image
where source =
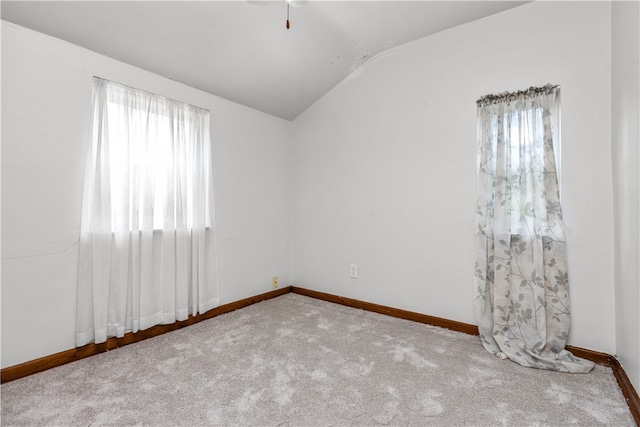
[(629, 392), (626, 387), (594, 356), (390, 311), (47, 362)]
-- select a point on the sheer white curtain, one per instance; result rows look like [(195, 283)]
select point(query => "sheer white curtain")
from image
[(522, 286), (147, 247)]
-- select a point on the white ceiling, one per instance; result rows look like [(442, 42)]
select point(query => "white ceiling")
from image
[(242, 51)]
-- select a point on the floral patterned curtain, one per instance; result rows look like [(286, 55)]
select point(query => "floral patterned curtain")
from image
[(521, 282)]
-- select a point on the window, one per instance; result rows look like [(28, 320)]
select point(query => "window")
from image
[(521, 283), (147, 243), (526, 157), (153, 155)]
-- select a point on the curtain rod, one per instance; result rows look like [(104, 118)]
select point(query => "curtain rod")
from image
[(510, 96), (150, 93)]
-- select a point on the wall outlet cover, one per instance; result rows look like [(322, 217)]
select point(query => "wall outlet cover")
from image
[(353, 271)]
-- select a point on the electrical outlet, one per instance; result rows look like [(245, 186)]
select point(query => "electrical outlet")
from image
[(274, 282), (353, 271)]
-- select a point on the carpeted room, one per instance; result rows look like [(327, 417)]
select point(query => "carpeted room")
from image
[(380, 173), (295, 360)]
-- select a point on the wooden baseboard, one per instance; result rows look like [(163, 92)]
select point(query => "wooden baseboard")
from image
[(629, 392), (626, 387), (467, 328), (390, 311), (28, 368), (38, 365), (594, 356)]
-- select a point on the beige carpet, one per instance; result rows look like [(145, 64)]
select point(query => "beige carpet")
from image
[(295, 360)]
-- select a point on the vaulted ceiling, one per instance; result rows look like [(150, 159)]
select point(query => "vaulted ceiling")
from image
[(240, 50)]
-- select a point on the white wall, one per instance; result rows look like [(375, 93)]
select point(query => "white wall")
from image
[(46, 98), (625, 27), (384, 165), (383, 174)]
